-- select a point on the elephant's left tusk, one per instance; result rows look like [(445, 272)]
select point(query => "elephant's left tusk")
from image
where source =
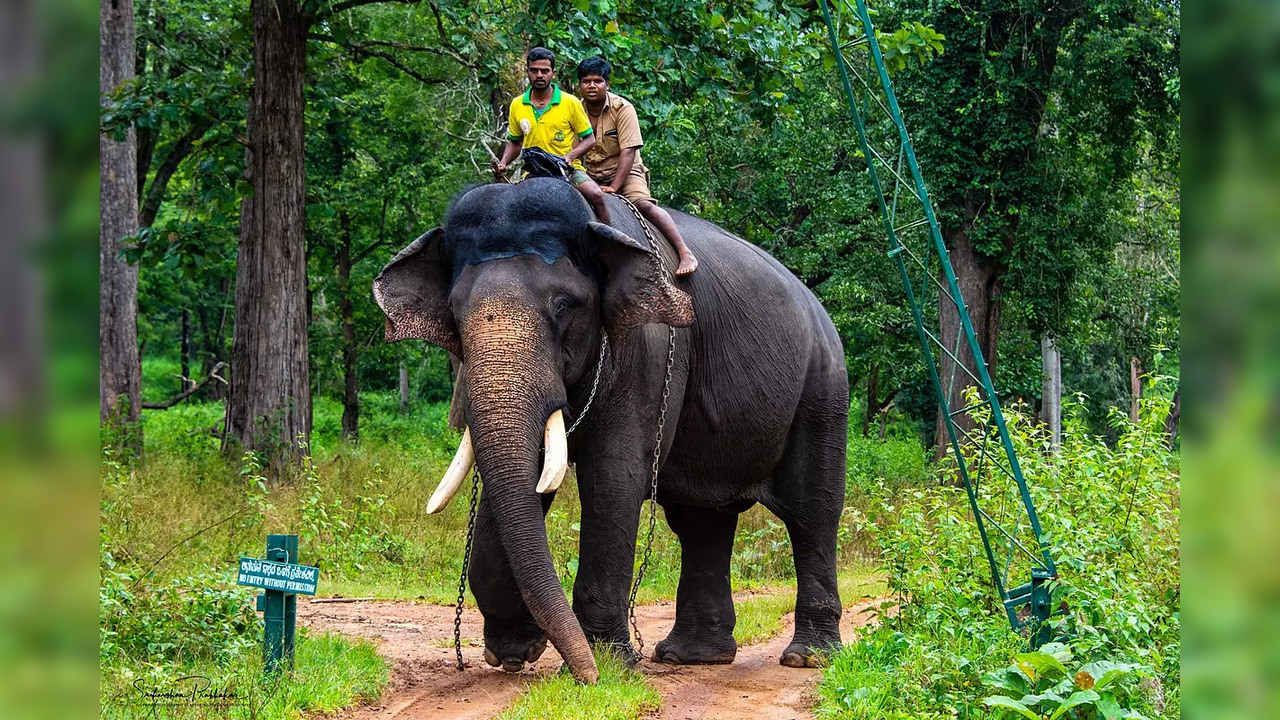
[(458, 470), (556, 461)]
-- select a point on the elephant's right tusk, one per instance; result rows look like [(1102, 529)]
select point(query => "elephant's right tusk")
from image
[(556, 461), (458, 471)]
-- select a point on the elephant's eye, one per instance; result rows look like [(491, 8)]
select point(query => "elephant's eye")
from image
[(560, 306)]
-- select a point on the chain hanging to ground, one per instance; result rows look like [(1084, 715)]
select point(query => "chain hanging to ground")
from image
[(653, 490), (657, 441), (466, 563)]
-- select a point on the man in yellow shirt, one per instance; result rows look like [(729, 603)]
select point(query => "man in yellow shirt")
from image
[(613, 160), (546, 118)]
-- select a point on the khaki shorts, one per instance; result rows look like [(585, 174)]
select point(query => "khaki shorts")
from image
[(635, 189)]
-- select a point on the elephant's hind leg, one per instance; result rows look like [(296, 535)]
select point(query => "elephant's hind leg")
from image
[(809, 496), (703, 633)]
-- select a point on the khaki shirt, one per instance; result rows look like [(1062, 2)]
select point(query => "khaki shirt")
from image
[(616, 127)]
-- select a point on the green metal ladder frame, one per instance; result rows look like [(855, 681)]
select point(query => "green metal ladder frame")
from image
[(879, 96)]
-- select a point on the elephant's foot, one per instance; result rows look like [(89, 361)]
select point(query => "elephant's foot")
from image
[(802, 655), (511, 655), (682, 649), (620, 649)]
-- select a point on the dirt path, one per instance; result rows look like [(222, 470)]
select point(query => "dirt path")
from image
[(417, 639)]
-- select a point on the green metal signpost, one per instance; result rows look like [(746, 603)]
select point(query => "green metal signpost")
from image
[(283, 580), (997, 491)]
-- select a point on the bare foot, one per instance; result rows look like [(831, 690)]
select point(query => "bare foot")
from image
[(688, 263)]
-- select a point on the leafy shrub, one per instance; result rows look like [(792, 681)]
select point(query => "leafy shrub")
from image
[(896, 675), (199, 617), (342, 534), (898, 460), (202, 616), (1046, 688), (1111, 519)]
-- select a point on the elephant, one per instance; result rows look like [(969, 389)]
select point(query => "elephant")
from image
[(531, 296)]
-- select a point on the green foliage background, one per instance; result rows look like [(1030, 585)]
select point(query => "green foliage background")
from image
[(745, 125)]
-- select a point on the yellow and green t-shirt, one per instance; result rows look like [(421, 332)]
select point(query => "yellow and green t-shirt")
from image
[(551, 128)]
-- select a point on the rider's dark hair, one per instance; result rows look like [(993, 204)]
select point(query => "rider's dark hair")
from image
[(594, 66), (540, 53)]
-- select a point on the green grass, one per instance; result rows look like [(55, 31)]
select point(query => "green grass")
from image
[(621, 694), (176, 495), (884, 675), (760, 616), (330, 673)]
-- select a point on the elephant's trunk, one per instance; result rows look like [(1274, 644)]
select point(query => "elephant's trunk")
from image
[(510, 400)]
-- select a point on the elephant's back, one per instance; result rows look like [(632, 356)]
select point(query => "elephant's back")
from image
[(750, 286), (763, 352)]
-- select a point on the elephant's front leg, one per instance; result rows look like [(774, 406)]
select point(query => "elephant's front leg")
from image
[(703, 633), (511, 637), (611, 495)]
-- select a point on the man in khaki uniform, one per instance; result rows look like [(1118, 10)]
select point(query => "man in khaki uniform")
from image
[(614, 161)]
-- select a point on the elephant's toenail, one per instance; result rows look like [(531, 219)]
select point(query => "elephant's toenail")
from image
[(490, 658), (512, 664), (535, 652)]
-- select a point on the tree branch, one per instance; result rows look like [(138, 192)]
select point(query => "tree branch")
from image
[(444, 36), (360, 51), (446, 51), (382, 237), (181, 542), (182, 147), (189, 391), (348, 4)]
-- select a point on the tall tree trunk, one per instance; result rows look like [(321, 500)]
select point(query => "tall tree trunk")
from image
[(351, 392), (981, 281), (22, 177), (216, 340), (404, 385), (1171, 422), (873, 399), (1135, 388), (120, 374), (1051, 389), (269, 407), (185, 349)]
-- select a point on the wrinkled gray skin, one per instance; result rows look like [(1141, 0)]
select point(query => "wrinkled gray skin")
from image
[(518, 284)]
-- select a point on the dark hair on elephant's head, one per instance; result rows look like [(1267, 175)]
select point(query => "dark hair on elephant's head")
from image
[(535, 223)]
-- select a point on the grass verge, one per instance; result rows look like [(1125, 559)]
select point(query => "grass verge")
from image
[(760, 616), (621, 694), (330, 673)]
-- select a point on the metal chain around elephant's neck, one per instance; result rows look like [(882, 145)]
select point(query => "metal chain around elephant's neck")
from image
[(657, 441), (595, 382), (466, 563)]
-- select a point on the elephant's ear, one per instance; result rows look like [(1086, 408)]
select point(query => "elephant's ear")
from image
[(413, 291), (638, 292)]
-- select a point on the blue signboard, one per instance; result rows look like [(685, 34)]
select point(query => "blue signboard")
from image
[(283, 577)]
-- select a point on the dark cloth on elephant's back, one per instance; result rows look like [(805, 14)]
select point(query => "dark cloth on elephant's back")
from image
[(536, 218), (540, 163)]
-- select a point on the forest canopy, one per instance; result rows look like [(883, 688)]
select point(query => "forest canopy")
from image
[(1048, 136)]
